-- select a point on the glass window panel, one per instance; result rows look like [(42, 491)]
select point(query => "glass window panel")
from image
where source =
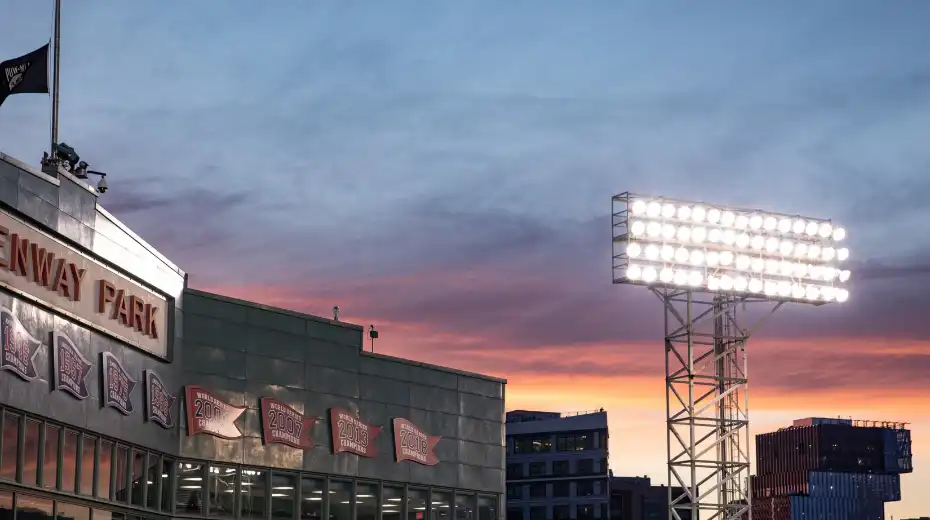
[(167, 470), (440, 505), (88, 442), (465, 507), (122, 472), (152, 478), (50, 465), (311, 493), (416, 504), (104, 465), (138, 477), (391, 503), (31, 449), (33, 508), (487, 508), (561, 512), (366, 501), (66, 511), (69, 461), (221, 486), (6, 505), (102, 514), (282, 495), (10, 446), (253, 493), (189, 493), (514, 513), (340, 496), (538, 513)]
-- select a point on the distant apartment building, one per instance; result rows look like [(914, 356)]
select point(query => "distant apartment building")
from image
[(635, 498), (820, 469), (557, 466)]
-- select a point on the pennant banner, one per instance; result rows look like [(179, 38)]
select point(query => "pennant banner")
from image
[(207, 413), (285, 425), (70, 366), (19, 347), (117, 385), (158, 401), (353, 435), (413, 444)]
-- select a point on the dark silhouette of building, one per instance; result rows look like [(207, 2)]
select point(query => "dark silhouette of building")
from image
[(635, 498), (820, 469)]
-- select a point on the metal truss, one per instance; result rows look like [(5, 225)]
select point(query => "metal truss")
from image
[(707, 402)]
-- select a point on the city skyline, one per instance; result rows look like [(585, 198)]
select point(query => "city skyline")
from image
[(444, 172)]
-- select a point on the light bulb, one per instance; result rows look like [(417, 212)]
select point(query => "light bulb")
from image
[(812, 292), (633, 250), (797, 291), (712, 258), (727, 218), (634, 272), (684, 212), (698, 214), (714, 236), (668, 210), (771, 288), (772, 266), (827, 293), (654, 209), (741, 222), (695, 278), (771, 244), (698, 235), (800, 270), (842, 254), (769, 223), (682, 255), (758, 264), (652, 252), (684, 234), (638, 228), (726, 283), (713, 215), (800, 250), (649, 274), (654, 229), (638, 207), (697, 257), (786, 268), (844, 275), (713, 283), (726, 258), (755, 222), (784, 289), (755, 285), (812, 229), (786, 247), (784, 225), (825, 230), (757, 242), (668, 231), (668, 253), (816, 271), (842, 295), (742, 241), (740, 283), (742, 262), (798, 226), (666, 275), (681, 277), (839, 234), (729, 236), (813, 252)]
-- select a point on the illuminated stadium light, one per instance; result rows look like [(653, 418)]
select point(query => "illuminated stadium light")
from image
[(718, 249)]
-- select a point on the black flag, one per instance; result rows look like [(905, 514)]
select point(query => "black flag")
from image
[(27, 74)]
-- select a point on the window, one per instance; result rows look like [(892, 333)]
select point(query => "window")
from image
[(561, 489), (416, 503), (10, 446), (88, 454), (532, 444), (538, 513), (168, 469), (366, 501), (514, 513), (104, 468), (392, 502), (585, 467), (575, 442), (31, 452), (465, 508), (311, 493), (152, 479), (560, 468), (66, 511), (585, 512), (69, 455), (584, 488), (189, 488), (122, 473), (282, 495), (514, 471), (537, 469), (487, 507), (561, 512), (514, 492), (340, 496), (440, 505), (33, 508), (252, 494), (221, 484), (50, 464), (138, 477), (538, 490), (6, 505)]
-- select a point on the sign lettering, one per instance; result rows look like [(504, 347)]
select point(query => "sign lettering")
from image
[(33, 262), (70, 366), (158, 401), (285, 425), (207, 413), (353, 435), (413, 444), (117, 385), (19, 347)]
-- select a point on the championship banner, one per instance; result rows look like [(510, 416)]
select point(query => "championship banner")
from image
[(413, 444), (353, 435), (207, 413), (285, 425)]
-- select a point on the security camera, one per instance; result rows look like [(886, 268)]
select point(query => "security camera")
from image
[(102, 185)]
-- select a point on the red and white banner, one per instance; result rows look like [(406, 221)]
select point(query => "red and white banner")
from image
[(207, 413), (353, 435), (285, 425), (413, 444)]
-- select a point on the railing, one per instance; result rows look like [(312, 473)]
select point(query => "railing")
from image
[(585, 412)]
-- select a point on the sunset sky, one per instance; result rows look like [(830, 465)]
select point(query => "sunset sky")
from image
[(443, 170)]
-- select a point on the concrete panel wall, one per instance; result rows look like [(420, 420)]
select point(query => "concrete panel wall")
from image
[(243, 352)]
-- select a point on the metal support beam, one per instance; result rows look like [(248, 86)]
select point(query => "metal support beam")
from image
[(707, 401)]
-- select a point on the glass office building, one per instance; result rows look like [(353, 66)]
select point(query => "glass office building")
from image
[(830, 468), (125, 394)]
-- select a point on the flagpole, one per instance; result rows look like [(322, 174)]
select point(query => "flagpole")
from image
[(56, 60)]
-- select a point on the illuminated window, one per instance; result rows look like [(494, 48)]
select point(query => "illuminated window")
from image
[(311, 494), (50, 464), (252, 493), (221, 490), (366, 502), (391, 503)]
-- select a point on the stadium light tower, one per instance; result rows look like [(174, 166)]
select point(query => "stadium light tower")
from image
[(705, 262)]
